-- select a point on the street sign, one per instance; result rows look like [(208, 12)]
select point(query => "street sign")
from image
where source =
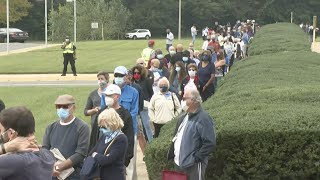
[(94, 25)]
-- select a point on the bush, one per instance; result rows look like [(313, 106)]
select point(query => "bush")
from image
[(279, 37), (267, 120)]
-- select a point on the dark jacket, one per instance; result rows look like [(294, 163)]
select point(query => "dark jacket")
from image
[(127, 130), (139, 89), (198, 140), (146, 88), (111, 164)]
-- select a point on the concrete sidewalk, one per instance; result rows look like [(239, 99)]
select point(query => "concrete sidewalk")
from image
[(315, 47), (48, 77), (28, 49)]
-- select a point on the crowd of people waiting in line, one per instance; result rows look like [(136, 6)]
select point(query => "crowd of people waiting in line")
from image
[(157, 89)]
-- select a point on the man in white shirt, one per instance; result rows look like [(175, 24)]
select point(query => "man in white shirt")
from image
[(169, 40), (193, 33)]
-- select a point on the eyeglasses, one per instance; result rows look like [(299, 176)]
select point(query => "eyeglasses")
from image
[(65, 106), (136, 73), (191, 69)]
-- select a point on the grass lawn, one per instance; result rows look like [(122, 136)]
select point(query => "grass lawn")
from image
[(93, 56), (40, 100)]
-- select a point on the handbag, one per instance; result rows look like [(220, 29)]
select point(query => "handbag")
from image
[(90, 169), (173, 175)]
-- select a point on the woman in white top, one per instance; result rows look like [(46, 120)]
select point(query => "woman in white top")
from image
[(163, 106)]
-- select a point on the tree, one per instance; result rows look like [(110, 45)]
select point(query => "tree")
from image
[(17, 10)]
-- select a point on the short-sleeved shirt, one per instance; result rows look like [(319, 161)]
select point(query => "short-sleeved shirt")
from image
[(204, 73)]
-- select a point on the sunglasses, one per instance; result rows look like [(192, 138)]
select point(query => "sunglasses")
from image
[(119, 75), (65, 106)]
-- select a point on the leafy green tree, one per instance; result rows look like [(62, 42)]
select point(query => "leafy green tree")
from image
[(17, 10)]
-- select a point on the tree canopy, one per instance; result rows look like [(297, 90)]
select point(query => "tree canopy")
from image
[(17, 9)]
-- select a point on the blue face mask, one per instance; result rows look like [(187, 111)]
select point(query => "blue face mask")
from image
[(106, 131), (63, 113), (118, 80)]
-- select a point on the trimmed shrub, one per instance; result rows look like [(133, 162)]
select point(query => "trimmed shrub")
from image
[(279, 37), (267, 120)]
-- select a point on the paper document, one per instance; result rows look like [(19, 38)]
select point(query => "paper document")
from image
[(59, 159)]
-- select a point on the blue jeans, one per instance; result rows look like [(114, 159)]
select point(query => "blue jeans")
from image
[(146, 124)]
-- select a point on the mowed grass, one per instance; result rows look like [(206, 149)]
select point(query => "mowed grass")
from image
[(40, 100), (93, 56)]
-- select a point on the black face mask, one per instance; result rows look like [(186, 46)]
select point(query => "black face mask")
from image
[(205, 58), (164, 89)]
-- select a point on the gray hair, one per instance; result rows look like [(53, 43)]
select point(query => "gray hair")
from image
[(195, 95), (165, 80)]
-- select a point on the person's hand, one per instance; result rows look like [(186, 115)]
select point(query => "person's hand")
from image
[(56, 171), (204, 88), (21, 144)]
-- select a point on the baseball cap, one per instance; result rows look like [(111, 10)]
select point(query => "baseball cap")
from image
[(65, 99), (151, 42), (112, 89), (121, 70)]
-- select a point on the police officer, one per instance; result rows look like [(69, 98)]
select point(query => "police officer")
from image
[(69, 55)]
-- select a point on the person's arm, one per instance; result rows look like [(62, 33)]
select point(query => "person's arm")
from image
[(114, 154), (135, 105), (208, 139), (211, 80), (177, 105), (128, 131), (151, 108), (19, 144), (81, 150), (63, 46), (89, 110)]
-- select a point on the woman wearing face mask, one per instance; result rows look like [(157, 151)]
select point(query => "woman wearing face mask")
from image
[(191, 81), (178, 73), (155, 63), (206, 74), (109, 153), (186, 58), (140, 77), (163, 106), (160, 57), (94, 100)]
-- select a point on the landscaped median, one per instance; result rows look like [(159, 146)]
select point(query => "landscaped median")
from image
[(267, 115)]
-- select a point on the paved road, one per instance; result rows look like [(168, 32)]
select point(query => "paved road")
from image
[(47, 83), (16, 46)]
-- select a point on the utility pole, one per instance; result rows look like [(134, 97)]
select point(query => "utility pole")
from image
[(8, 26), (179, 30), (314, 28), (75, 20), (291, 17), (46, 21)]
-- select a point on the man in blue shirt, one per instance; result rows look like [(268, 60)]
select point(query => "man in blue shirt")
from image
[(129, 99)]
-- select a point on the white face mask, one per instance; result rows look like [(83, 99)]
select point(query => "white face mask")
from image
[(178, 69), (102, 84), (185, 59), (159, 56), (109, 101), (192, 73), (172, 52)]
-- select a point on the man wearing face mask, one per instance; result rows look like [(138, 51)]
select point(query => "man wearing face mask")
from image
[(163, 106), (129, 99), (69, 56), (172, 51), (186, 58), (194, 138), (18, 123), (70, 135), (169, 40), (94, 100), (112, 95)]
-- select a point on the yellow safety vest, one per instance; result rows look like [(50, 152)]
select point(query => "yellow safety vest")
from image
[(68, 49), (146, 54)]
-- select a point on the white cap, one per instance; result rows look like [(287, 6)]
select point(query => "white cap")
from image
[(121, 70), (112, 89)]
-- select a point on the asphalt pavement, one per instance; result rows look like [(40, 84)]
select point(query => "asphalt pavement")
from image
[(22, 47)]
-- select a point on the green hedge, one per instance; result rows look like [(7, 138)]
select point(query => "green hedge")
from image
[(279, 37), (267, 120)]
